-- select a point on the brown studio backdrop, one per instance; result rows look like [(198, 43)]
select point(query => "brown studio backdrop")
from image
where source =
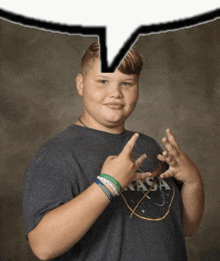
[(179, 88)]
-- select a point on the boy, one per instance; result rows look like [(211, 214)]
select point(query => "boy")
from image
[(133, 209)]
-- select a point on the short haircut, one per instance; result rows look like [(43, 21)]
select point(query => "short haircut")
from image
[(131, 64)]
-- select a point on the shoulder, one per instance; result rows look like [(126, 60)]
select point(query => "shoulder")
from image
[(63, 140), (57, 147)]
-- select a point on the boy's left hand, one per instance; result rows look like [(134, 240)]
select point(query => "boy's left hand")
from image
[(180, 165)]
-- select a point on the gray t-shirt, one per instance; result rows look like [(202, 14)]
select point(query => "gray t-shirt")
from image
[(69, 163)]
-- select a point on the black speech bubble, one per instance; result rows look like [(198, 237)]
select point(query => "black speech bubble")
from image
[(100, 31)]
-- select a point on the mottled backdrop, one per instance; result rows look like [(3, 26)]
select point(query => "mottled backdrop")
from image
[(179, 88)]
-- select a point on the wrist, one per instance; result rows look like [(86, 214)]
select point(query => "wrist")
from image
[(104, 189), (193, 177), (193, 184), (112, 180), (110, 185)]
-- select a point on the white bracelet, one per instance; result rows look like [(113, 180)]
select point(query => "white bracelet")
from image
[(111, 184)]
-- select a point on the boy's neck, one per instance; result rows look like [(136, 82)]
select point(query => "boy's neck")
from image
[(115, 129)]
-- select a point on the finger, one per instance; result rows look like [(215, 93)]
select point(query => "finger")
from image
[(165, 153), (167, 174), (161, 157), (170, 148), (140, 160), (172, 139), (130, 144), (170, 160), (143, 175)]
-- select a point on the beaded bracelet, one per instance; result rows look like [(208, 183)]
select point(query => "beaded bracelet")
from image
[(114, 181), (111, 184), (104, 189)]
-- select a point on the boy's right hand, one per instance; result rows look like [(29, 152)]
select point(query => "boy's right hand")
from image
[(123, 167)]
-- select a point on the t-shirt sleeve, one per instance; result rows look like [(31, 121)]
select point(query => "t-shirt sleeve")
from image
[(46, 185)]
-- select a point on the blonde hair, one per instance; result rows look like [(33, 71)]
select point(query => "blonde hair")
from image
[(131, 64)]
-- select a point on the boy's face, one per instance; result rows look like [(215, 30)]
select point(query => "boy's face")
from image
[(108, 98)]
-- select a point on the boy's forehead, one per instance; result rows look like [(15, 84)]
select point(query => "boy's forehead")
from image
[(95, 70)]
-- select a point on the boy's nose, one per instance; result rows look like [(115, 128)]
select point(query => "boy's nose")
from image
[(115, 91)]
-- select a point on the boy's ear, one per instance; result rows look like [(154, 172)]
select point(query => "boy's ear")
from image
[(79, 84)]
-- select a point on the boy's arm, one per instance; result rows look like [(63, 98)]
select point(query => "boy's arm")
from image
[(193, 206), (183, 169), (64, 226), (61, 228)]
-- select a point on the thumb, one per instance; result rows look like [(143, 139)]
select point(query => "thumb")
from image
[(111, 157)]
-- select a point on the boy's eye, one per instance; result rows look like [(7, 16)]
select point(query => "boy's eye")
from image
[(103, 81), (126, 83)]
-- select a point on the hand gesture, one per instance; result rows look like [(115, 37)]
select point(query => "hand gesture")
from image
[(123, 167), (180, 165)]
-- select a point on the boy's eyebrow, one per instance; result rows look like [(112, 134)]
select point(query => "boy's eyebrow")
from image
[(99, 75), (130, 79), (108, 77)]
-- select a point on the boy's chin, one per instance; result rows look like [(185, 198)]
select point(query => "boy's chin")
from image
[(114, 123)]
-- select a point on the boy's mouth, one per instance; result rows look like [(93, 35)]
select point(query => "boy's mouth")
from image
[(114, 106)]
